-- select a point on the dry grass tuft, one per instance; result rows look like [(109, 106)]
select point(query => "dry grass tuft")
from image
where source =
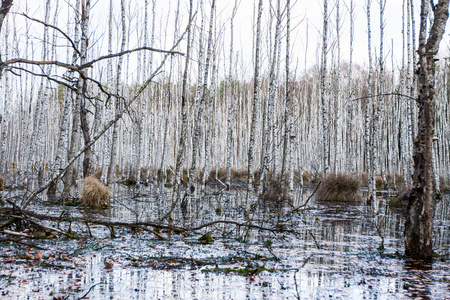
[(339, 188), (95, 194), (379, 182), (2, 182), (239, 175), (144, 173), (221, 174)]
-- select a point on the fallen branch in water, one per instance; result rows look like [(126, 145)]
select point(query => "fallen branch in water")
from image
[(134, 225)]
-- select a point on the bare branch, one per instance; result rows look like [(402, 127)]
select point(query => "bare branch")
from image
[(88, 64), (57, 29)]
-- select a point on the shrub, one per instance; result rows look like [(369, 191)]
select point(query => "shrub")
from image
[(2, 182), (339, 188), (95, 194)]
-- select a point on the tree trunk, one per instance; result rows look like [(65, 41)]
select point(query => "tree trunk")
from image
[(255, 105), (286, 161), (323, 94), (201, 104), (420, 209), (113, 156)]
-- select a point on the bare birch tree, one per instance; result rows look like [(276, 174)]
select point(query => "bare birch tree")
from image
[(201, 103), (288, 135), (231, 102), (113, 159), (421, 200), (323, 92), (256, 103)]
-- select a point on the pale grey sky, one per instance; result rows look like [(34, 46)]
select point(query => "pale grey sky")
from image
[(306, 22)]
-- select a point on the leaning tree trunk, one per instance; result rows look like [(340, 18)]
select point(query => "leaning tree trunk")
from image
[(420, 209)]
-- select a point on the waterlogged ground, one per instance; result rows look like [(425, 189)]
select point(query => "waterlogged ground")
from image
[(319, 251)]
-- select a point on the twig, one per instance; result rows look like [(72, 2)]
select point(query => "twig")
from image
[(89, 290), (307, 200)]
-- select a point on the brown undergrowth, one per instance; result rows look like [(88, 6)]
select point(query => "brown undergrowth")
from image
[(339, 188), (2, 182), (95, 194)]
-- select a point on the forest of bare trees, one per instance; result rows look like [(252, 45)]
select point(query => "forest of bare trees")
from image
[(157, 94)]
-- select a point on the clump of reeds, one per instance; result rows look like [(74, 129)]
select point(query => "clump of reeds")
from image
[(2, 182), (95, 194), (274, 192), (339, 188)]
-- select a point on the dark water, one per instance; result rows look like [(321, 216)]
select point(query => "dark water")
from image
[(323, 251)]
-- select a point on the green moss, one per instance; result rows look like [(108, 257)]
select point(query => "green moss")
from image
[(206, 238), (218, 210)]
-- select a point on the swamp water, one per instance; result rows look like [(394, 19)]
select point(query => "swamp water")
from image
[(320, 251)]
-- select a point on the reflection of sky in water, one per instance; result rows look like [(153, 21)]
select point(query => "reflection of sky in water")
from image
[(338, 243)]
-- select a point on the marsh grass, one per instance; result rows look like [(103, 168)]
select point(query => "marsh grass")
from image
[(94, 194), (339, 188)]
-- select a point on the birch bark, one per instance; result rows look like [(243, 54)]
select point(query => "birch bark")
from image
[(288, 137), (255, 105), (231, 103), (109, 106), (113, 157), (368, 135), (350, 148), (323, 93), (270, 147)]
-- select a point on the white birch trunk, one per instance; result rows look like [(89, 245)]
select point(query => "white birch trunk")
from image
[(323, 92), (200, 105), (255, 106), (113, 156)]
